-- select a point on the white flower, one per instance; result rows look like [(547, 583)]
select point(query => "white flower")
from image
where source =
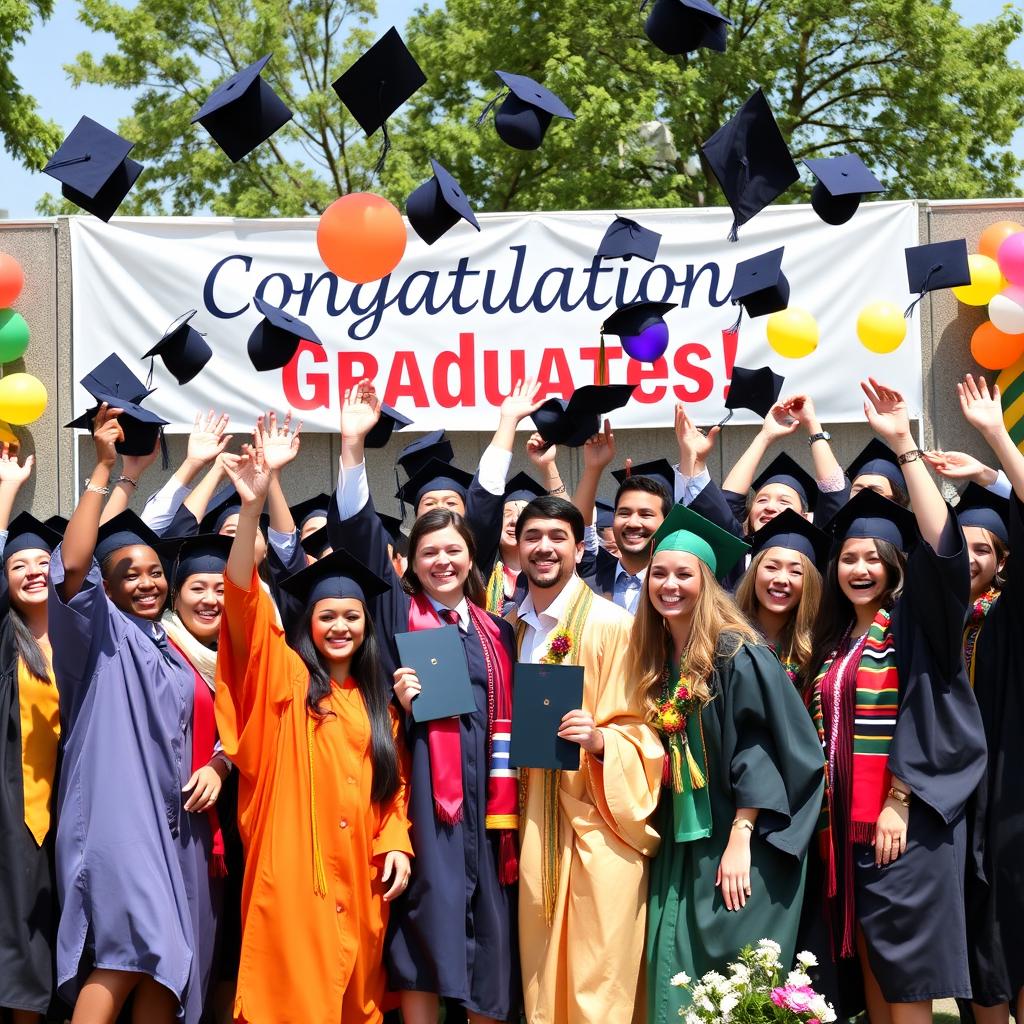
[(680, 980), (713, 981), (822, 1010), (705, 1004), (765, 944), (807, 959), (729, 1003), (798, 979), (692, 1017), (740, 973)]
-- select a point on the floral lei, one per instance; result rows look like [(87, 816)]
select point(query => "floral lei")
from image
[(972, 630), (671, 714), (558, 648)]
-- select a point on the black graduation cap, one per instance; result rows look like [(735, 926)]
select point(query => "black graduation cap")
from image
[(978, 506), (571, 421), (338, 575), (658, 469), (243, 112), (316, 543), (126, 529), (680, 26), (625, 239), (790, 530), (230, 505), (526, 111), (182, 348), (25, 533), (275, 339), (58, 523), (390, 421), (784, 469), (936, 265), (438, 205), (415, 455), (311, 508), (392, 526), (842, 181), (757, 390), (868, 515), (877, 459), (605, 514), (759, 285), (750, 159), (434, 475), (202, 552), (632, 320), (94, 168), (522, 487)]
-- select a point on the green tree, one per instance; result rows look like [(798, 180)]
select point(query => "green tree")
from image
[(27, 136)]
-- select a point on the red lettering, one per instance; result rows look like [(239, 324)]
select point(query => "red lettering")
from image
[(593, 355), (554, 374), (637, 373), (703, 381), (303, 399), (464, 392), (405, 363), (353, 367), (494, 393)]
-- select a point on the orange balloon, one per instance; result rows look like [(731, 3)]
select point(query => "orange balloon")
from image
[(993, 349), (11, 280), (995, 234), (361, 237)]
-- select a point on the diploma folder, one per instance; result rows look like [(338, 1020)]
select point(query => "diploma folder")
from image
[(542, 695), (439, 660)]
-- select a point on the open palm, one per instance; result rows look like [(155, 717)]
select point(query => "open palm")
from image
[(886, 411), (10, 471), (360, 410), (981, 408), (280, 443), (250, 475), (208, 439)]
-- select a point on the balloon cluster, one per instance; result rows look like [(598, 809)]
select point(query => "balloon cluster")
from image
[(22, 396), (794, 333)]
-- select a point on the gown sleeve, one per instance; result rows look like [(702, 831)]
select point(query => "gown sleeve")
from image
[(483, 514), (280, 566), (393, 831), (714, 504), (770, 748), (182, 524), (829, 503)]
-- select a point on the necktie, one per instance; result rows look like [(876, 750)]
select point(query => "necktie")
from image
[(450, 615)]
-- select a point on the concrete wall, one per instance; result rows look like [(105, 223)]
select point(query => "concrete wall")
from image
[(43, 248)]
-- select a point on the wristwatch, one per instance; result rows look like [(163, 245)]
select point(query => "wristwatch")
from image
[(821, 435)]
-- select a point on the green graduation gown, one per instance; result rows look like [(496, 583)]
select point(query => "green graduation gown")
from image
[(762, 751)]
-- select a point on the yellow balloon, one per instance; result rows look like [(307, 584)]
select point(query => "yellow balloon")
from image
[(793, 333), (22, 398), (987, 281), (881, 327)]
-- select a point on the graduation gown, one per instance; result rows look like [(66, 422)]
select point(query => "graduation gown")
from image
[(995, 879), (456, 871), (587, 963), (306, 958), (131, 862), (762, 751)]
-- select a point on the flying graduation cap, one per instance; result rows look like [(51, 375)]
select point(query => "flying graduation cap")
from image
[(243, 112), (759, 286), (755, 389), (842, 182), (680, 26), (94, 168), (571, 421), (275, 339), (438, 205), (526, 111), (751, 160), (625, 239), (182, 348), (641, 328), (390, 421), (934, 266)]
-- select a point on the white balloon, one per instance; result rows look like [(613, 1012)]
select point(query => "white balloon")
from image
[(1006, 310)]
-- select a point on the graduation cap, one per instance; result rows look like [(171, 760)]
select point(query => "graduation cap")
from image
[(26, 533), (522, 487), (877, 459), (182, 348), (751, 161), (526, 111), (641, 328), (219, 514), (438, 205), (790, 530), (392, 527), (867, 515), (275, 339), (978, 506), (625, 239), (123, 531), (243, 112), (337, 575), (378, 83), (316, 543), (784, 469), (842, 182), (571, 421), (433, 446), (203, 552), (605, 514), (685, 530), (390, 421), (658, 469), (759, 286), (434, 475), (757, 390), (94, 168), (934, 266), (57, 523), (312, 508), (680, 26)]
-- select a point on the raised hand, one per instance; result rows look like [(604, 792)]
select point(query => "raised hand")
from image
[(11, 472), (801, 408), (960, 466), (599, 450), (360, 410), (207, 439), (522, 401), (886, 412), (694, 445), (779, 422), (106, 434), (280, 444), (539, 452), (981, 409), (249, 473)]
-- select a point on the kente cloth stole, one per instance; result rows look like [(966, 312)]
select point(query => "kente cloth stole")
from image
[(973, 628), (570, 627)]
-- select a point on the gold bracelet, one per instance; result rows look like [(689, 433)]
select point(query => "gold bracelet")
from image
[(743, 823), (899, 796)]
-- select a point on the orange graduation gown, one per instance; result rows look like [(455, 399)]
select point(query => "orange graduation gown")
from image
[(306, 958)]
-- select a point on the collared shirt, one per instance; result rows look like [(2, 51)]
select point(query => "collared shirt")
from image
[(626, 591), (688, 487), (540, 625), (461, 609), (160, 508)]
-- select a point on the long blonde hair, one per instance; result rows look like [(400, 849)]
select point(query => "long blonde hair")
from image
[(794, 642), (715, 618)]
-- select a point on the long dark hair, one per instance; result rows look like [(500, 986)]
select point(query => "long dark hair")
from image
[(836, 611), (440, 519), (27, 646), (368, 675)]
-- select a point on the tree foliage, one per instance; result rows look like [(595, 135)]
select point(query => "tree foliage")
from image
[(930, 103)]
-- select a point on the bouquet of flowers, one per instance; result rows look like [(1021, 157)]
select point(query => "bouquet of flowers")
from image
[(755, 992)]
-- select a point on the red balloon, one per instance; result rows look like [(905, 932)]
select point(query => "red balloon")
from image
[(361, 237), (995, 234), (11, 280), (993, 349)]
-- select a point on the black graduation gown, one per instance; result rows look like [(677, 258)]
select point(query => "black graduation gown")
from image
[(28, 893), (727, 510), (483, 516), (995, 879), (475, 964), (829, 503)]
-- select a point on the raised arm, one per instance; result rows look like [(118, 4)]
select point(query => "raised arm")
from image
[(777, 424), (544, 458), (694, 449), (199, 500), (12, 476), (827, 471), (598, 454), (126, 485), (280, 444), (984, 411)]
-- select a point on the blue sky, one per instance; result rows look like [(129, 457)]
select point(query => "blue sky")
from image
[(56, 43)]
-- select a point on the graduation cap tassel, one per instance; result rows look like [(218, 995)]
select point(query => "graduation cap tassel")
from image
[(500, 95), (722, 422), (384, 150), (149, 376), (165, 458), (602, 364), (67, 163), (401, 501), (935, 268), (734, 329), (643, 6)]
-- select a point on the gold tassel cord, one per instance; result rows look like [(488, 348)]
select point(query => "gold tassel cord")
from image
[(319, 874)]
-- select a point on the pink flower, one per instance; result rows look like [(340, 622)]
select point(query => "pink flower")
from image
[(561, 644), (778, 997), (799, 999), (814, 1020)]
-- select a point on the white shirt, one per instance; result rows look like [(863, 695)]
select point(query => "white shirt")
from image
[(1001, 485), (461, 609), (540, 625), (161, 507), (688, 487)]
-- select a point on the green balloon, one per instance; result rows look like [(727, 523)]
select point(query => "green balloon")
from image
[(13, 335)]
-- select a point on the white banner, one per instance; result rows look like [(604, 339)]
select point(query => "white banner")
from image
[(448, 333)]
